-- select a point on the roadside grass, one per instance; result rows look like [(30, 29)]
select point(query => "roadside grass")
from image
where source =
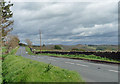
[(0, 71), (20, 69), (12, 52), (89, 57), (1, 48)]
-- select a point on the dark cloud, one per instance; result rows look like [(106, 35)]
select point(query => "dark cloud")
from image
[(66, 23)]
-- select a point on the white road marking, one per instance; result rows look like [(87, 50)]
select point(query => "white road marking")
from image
[(104, 65), (69, 62), (68, 59), (33, 56), (77, 60), (99, 64), (113, 71), (52, 59), (82, 65)]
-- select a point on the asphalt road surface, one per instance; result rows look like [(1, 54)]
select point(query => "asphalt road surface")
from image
[(89, 71)]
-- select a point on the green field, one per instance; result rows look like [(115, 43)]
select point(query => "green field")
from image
[(79, 47), (89, 57), (20, 69)]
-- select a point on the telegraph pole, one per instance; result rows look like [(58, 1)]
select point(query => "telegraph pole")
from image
[(40, 41)]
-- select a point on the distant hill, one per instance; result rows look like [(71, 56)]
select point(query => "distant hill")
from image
[(81, 47)]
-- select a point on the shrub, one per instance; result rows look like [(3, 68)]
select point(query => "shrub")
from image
[(82, 50), (75, 49), (57, 47), (100, 48), (43, 45)]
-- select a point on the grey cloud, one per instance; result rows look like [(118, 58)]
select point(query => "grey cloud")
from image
[(63, 23)]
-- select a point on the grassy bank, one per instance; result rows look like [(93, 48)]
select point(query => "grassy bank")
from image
[(20, 69), (89, 57), (1, 48), (0, 69)]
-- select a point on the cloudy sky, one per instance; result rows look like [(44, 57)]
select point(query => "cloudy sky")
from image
[(67, 23)]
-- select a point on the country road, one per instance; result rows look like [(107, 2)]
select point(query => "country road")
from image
[(89, 71)]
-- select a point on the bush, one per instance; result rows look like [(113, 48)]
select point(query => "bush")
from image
[(82, 50), (100, 48), (57, 47), (75, 49), (43, 45)]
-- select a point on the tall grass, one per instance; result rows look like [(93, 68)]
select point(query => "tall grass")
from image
[(1, 51), (20, 69)]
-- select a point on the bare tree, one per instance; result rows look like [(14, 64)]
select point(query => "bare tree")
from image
[(11, 41), (29, 43)]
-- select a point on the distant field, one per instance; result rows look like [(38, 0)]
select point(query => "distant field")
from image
[(90, 57), (80, 47)]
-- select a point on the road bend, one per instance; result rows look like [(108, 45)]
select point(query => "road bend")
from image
[(89, 71)]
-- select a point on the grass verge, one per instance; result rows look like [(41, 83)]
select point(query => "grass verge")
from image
[(20, 69), (82, 56), (1, 48)]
